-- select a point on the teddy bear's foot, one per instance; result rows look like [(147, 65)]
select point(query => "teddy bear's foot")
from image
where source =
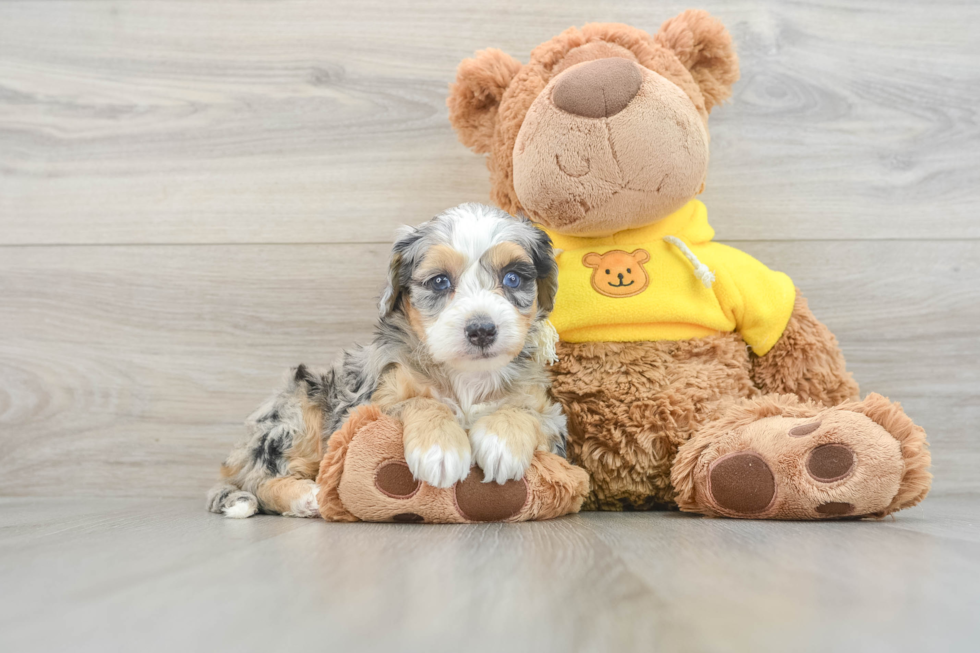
[(364, 476), (777, 458)]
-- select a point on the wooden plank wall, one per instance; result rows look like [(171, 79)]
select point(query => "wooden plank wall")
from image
[(196, 195)]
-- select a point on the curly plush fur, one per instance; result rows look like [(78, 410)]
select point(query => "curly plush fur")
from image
[(631, 405), (806, 362)]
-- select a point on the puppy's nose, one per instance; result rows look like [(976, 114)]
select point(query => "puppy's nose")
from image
[(598, 89), (481, 333), (620, 275)]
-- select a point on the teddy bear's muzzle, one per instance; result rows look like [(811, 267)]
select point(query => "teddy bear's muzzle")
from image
[(608, 145)]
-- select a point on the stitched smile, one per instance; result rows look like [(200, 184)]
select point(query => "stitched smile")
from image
[(621, 284)]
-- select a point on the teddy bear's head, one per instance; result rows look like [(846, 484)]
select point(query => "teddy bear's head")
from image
[(605, 128)]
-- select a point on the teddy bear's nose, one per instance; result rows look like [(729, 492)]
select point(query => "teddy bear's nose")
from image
[(597, 89)]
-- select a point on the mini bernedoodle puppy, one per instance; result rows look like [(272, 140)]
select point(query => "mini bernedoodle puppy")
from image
[(457, 356)]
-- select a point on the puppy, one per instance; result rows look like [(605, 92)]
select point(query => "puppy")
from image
[(457, 356)]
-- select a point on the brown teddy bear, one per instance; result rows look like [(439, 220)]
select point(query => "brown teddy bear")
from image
[(692, 375), (364, 477)]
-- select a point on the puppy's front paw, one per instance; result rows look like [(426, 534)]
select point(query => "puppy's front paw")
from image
[(502, 455), (306, 504), (440, 457), (437, 466)]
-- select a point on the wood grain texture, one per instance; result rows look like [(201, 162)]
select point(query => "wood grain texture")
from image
[(128, 370), (268, 121), (125, 574), (196, 195)]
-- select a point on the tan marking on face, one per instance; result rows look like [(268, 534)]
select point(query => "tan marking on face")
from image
[(440, 258), (617, 273), (415, 320), (503, 254)]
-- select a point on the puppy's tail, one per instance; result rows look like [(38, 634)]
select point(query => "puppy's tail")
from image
[(231, 501)]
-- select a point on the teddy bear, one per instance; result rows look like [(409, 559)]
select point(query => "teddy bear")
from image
[(692, 375)]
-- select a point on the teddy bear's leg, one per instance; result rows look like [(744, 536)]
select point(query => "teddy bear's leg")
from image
[(775, 457), (806, 362), (630, 405)]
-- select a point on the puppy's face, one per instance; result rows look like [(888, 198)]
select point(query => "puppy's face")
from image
[(472, 282)]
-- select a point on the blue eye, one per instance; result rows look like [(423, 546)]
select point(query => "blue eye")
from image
[(512, 280), (441, 282)]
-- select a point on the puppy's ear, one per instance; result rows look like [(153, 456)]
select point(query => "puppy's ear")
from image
[(543, 256), (705, 48), (399, 269), (474, 98)]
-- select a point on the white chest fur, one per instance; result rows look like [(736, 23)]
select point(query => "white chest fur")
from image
[(475, 395)]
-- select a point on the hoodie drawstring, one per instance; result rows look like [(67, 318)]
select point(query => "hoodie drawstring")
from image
[(701, 271)]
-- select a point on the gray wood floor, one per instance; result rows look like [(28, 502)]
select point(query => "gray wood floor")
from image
[(162, 575), (196, 195)]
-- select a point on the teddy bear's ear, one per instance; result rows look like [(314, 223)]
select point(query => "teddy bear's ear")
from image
[(591, 260), (474, 98), (705, 48), (640, 255)]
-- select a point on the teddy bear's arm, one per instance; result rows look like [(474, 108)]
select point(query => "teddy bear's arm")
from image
[(806, 362)]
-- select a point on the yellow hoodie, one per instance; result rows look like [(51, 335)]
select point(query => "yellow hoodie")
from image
[(667, 281)]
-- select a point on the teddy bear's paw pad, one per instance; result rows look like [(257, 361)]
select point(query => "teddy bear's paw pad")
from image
[(804, 429), (742, 483), (408, 518), (829, 463), (479, 501), (835, 509), (395, 480)]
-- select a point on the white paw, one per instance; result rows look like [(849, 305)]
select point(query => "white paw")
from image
[(437, 466), (498, 461), (240, 509), (306, 505)]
